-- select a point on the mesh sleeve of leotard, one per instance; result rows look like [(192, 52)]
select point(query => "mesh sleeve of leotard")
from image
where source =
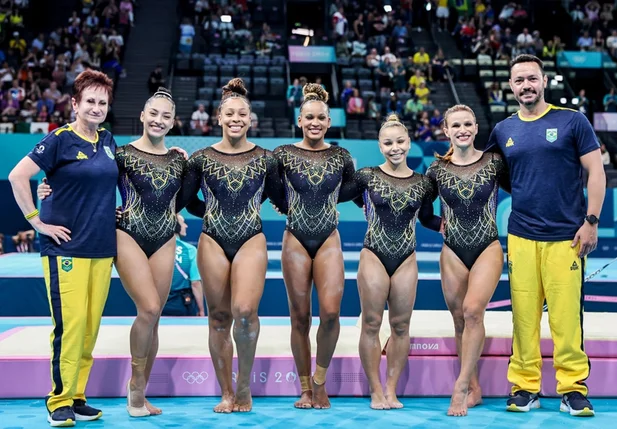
[(191, 179), (196, 207), (349, 186), (361, 178), (352, 190), (503, 174), (278, 156), (426, 215), (274, 188)]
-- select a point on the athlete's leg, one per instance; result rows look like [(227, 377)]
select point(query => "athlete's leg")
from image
[(483, 280), (162, 268), (373, 286), (248, 276), (329, 275), (454, 278), (297, 272), (136, 276), (215, 269), (401, 300)]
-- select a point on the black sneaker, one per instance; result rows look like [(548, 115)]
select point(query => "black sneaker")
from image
[(62, 417), (85, 413), (523, 401), (577, 405)]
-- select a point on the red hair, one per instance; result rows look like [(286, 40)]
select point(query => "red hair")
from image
[(92, 79)]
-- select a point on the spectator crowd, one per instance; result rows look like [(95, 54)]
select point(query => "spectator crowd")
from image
[(38, 69)]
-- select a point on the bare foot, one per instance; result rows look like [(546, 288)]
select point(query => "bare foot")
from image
[(320, 397), (305, 401), (458, 403), (226, 405), (474, 397), (154, 411), (379, 402), (244, 401), (393, 401)]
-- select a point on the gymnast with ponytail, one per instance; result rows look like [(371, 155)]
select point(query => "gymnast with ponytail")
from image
[(471, 260)]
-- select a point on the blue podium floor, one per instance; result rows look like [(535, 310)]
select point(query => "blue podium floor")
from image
[(274, 413)]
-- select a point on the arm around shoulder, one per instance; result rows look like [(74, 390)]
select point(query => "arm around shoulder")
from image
[(189, 189), (503, 174), (426, 215)]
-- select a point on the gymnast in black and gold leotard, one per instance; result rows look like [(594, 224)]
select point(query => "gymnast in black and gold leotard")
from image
[(471, 260), (233, 185), (148, 184), (150, 177), (313, 172), (468, 196), (312, 180), (393, 197), (235, 177), (392, 205)]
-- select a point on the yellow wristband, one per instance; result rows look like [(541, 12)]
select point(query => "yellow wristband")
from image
[(35, 213)]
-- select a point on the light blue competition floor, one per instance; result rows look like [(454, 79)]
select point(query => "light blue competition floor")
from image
[(345, 413)]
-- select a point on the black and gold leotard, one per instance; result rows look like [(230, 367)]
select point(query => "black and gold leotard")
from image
[(392, 205), (312, 180), (149, 184), (468, 196), (233, 187)]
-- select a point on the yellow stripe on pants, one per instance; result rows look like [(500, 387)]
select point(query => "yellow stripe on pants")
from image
[(77, 290), (552, 271)]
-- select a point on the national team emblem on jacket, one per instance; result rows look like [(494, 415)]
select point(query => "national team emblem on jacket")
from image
[(551, 134)]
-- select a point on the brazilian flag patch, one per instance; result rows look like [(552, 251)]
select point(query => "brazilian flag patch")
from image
[(67, 264)]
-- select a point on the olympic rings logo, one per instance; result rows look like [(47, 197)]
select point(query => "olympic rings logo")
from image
[(195, 377)]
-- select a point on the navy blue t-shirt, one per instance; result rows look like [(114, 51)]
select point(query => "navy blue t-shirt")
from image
[(543, 156), (83, 199)]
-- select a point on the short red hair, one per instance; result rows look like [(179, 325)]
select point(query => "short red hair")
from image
[(89, 79)]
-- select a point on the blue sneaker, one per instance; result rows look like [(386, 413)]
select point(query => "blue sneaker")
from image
[(62, 417), (523, 401), (85, 413), (577, 405)]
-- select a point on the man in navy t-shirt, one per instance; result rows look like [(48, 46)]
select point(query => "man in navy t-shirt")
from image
[(550, 231)]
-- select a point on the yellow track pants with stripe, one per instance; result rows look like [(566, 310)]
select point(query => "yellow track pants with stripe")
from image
[(77, 290), (550, 271)]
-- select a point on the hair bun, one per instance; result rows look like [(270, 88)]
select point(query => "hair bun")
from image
[(314, 91), (235, 86), (163, 91), (393, 117)]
